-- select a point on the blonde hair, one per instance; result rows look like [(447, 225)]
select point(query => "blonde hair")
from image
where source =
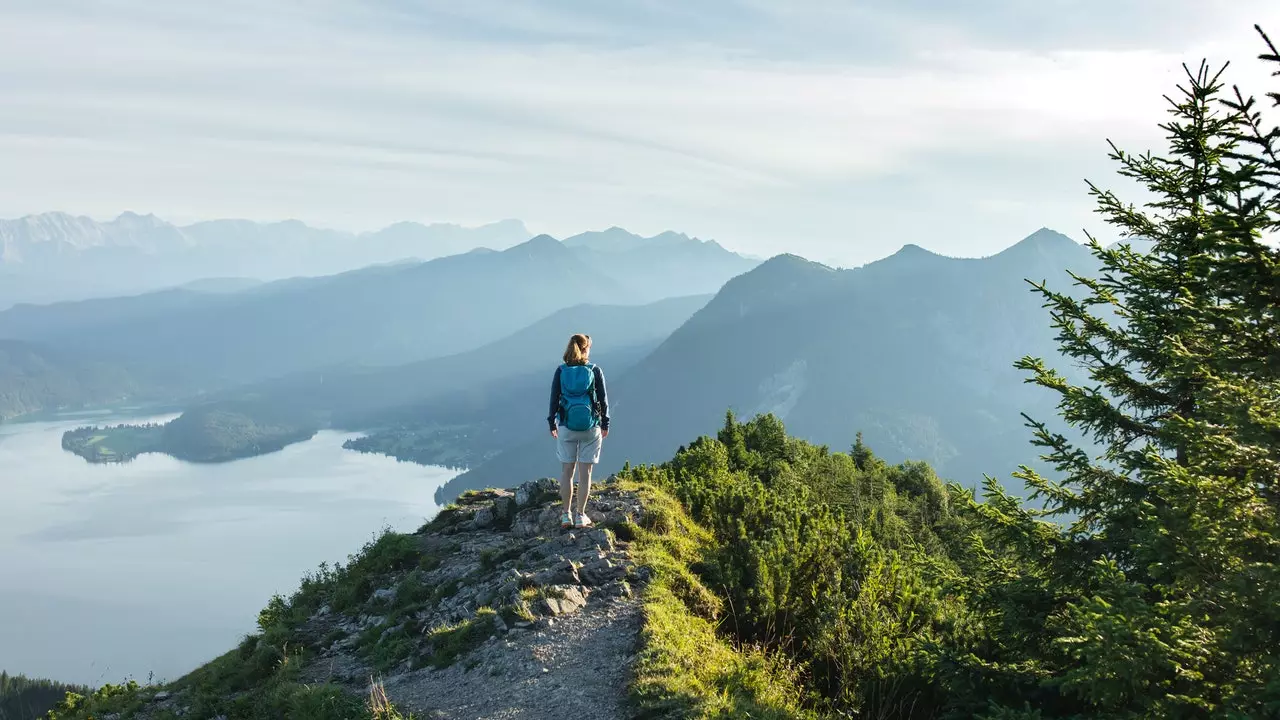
[(578, 350)]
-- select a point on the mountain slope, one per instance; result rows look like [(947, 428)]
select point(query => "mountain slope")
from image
[(35, 379), (380, 315), (664, 265), (383, 315), (915, 351), (373, 396)]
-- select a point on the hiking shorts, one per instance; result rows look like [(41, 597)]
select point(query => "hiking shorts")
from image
[(578, 446)]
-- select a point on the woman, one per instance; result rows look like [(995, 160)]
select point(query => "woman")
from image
[(579, 420)]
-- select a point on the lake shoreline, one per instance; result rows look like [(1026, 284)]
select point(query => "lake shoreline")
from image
[(114, 571)]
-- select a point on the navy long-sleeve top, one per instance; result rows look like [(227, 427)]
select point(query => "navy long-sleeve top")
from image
[(600, 397)]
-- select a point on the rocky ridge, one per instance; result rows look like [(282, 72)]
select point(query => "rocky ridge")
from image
[(491, 610)]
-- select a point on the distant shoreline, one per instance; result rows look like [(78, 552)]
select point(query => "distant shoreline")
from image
[(92, 412), (203, 435)]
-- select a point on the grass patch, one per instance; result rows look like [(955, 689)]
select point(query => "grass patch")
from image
[(247, 683), (518, 612), (446, 589), (447, 516), (447, 644), (493, 557), (387, 646), (685, 669)]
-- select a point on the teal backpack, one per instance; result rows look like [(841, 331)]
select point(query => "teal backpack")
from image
[(577, 411)]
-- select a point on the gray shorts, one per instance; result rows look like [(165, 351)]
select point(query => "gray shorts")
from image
[(578, 446)]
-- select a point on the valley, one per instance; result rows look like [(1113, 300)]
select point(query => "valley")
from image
[(817, 347)]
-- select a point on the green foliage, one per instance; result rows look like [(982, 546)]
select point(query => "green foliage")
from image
[(109, 698), (23, 698), (447, 644), (831, 570), (218, 434), (685, 669), (114, 443), (1161, 598)]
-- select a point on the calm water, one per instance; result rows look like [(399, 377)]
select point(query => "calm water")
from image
[(156, 566)]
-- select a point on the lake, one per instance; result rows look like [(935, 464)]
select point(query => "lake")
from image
[(156, 566)]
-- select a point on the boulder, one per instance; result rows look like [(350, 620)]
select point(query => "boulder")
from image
[(562, 573), (504, 509), (601, 572), (570, 600), (534, 490)]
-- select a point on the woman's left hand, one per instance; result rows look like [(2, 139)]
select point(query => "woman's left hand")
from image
[(604, 433)]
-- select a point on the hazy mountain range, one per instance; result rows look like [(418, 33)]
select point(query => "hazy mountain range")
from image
[(193, 341), (55, 256), (367, 397), (916, 351)]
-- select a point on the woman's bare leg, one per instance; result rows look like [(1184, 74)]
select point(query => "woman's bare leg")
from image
[(584, 486), (566, 486)]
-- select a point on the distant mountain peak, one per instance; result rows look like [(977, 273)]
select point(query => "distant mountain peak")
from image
[(613, 237), (1042, 241), (785, 265), (133, 218), (540, 244), (913, 249), (616, 239), (671, 235), (911, 253)]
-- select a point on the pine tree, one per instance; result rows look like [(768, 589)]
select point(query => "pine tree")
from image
[(1161, 597)]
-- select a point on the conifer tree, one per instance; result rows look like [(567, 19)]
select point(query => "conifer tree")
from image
[(1160, 596)]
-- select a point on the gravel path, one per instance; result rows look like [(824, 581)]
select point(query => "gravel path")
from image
[(576, 667)]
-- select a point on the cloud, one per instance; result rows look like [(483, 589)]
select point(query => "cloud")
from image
[(808, 126)]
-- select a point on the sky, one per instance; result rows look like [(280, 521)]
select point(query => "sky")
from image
[(836, 130)]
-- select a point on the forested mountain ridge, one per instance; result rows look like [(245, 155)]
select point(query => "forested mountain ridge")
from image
[(36, 379), (915, 351), (475, 399), (357, 398), (385, 315), (23, 698)]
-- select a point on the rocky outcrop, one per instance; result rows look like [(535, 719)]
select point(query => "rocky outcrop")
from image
[(491, 610), (505, 610)]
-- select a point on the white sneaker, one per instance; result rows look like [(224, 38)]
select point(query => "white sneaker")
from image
[(582, 521)]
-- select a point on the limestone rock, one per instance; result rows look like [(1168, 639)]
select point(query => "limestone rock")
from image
[(562, 573), (601, 571), (570, 600), (533, 490)]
